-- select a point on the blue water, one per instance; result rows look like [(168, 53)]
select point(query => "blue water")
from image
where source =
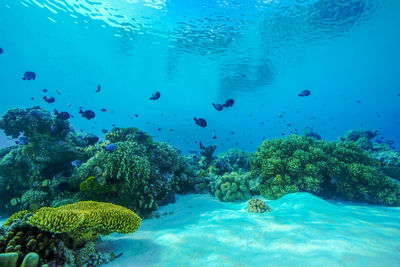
[(260, 53)]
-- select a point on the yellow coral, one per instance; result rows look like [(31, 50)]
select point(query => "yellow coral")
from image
[(18, 215), (86, 219)]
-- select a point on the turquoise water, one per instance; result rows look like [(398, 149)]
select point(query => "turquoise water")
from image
[(260, 53), (312, 135)]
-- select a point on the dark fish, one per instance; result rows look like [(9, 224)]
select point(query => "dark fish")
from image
[(159, 129), (111, 147), (32, 98), (88, 114), (29, 75), (62, 115), (76, 163), (214, 134), (22, 141), (1, 50), (98, 88), (156, 95), (229, 103), (104, 131), (44, 90), (136, 115), (304, 93), (201, 122), (49, 99), (218, 107), (103, 110)]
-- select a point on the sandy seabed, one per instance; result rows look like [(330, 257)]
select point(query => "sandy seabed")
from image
[(301, 230)]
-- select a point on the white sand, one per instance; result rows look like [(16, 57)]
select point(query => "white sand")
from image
[(302, 230)]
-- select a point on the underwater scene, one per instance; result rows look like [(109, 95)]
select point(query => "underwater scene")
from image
[(199, 133)]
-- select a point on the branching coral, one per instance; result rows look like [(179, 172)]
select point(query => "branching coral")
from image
[(129, 134), (233, 160), (165, 158), (121, 177), (325, 168)]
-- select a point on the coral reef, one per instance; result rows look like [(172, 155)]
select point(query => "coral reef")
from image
[(85, 219), (233, 160), (31, 244), (231, 187), (258, 206), (47, 153), (118, 134), (207, 153), (361, 137), (121, 177), (330, 169)]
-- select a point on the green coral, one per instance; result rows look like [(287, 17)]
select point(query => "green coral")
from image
[(34, 199), (233, 160), (121, 177), (130, 134), (232, 187), (258, 206), (165, 158), (340, 169)]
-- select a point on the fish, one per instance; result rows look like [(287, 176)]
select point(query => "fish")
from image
[(58, 92), (22, 141), (218, 107), (229, 103), (62, 115), (111, 147), (159, 129), (76, 163), (201, 122), (29, 75), (104, 130), (103, 110), (305, 93), (1, 51), (214, 134), (98, 88), (88, 114), (44, 90), (136, 115), (49, 99), (156, 95), (32, 98)]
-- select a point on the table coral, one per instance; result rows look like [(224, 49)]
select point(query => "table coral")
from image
[(84, 219)]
